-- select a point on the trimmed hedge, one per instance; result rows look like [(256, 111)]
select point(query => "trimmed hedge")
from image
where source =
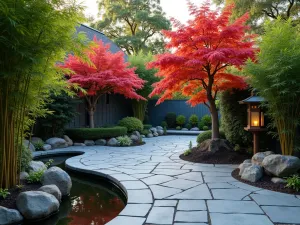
[(95, 133), (207, 135), (132, 124)]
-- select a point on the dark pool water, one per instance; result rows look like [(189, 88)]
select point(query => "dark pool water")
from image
[(93, 201)]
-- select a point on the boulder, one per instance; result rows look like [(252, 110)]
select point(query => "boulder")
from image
[(113, 142), (281, 165), (277, 180), (259, 157), (153, 129), (155, 134), (35, 140), (252, 173), (214, 145), (143, 136), (23, 177), (159, 128), (184, 129), (243, 166), (36, 204), (51, 189), (100, 142), (149, 135), (47, 147), (59, 177), (136, 133), (160, 132), (10, 216), (27, 144), (134, 138), (79, 144), (35, 166), (57, 142), (89, 142), (195, 129), (68, 140), (247, 161)]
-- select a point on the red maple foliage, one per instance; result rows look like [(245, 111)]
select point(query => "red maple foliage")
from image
[(199, 54), (105, 74)]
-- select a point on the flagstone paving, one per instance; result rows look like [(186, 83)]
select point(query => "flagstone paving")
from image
[(163, 189)]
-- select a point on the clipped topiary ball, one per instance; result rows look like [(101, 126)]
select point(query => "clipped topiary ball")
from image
[(132, 124)]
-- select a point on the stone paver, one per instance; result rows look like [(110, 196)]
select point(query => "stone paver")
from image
[(163, 189)]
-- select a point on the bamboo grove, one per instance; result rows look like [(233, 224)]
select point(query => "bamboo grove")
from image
[(34, 36)]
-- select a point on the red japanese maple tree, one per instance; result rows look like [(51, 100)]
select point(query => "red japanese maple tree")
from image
[(200, 53), (106, 73)]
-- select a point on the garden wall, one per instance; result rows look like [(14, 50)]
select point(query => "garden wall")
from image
[(157, 113)]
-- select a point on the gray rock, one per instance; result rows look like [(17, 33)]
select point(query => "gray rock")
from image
[(47, 147), (136, 133), (243, 166), (149, 135), (155, 134), (159, 128), (214, 145), (68, 140), (277, 180), (23, 177), (27, 144), (89, 142), (259, 157), (195, 129), (79, 144), (281, 165), (36, 204), (252, 173), (59, 177), (51, 189), (247, 161), (10, 216), (134, 138), (184, 129), (113, 142), (143, 136), (153, 129), (100, 142), (57, 142), (160, 132), (35, 140), (35, 166)]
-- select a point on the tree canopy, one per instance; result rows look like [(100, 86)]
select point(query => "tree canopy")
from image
[(105, 73), (203, 49), (133, 25)]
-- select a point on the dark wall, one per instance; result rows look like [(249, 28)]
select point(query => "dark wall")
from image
[(110, 109), (157, 113)]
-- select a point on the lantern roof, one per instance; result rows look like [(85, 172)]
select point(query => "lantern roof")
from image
[(253, 98)]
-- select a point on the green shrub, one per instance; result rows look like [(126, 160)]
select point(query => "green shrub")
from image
[(180, 120), (171, 120), (124, 140), (26, 158), (38, 145), (293, 182), (95, 133), (200, 125), (165, 130), (164, 124), (190, 145), (4, 193), (145, 132), (147, 126), (187, 152), (178, 128), (206, 120), (194, 120), (132, 124), (207, 135), (205, 128), (188, 126)]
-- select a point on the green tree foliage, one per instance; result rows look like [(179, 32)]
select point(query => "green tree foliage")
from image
[(62, 110), (34, 36), (276, 76), (267, 9), (234, 117), (139, 61), (133, 25)]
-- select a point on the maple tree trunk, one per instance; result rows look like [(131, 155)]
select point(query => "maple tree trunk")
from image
[(214, 120), (91, 117)]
